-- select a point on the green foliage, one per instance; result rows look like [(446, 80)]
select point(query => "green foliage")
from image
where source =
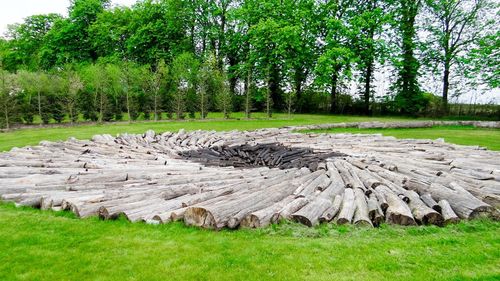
[(168, 55), (453, 28), (185, 69), (484, 59)]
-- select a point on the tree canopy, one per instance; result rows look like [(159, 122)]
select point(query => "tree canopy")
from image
[(187, 56)]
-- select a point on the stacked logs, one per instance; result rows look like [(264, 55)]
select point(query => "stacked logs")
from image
[(364, 180), (272, 155)]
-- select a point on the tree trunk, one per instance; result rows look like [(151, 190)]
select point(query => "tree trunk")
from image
[(202, 106), (7, 125), (299, 79), (268, 99), (446, 85), (40, 108), (128, 107), (155, 105), (101, 105), (247, 96), (367, 91), (333, 91)]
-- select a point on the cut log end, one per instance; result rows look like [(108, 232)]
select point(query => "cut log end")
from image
[(433, 218), (400, 219), (201, 217), (302, 219), (481, 212)]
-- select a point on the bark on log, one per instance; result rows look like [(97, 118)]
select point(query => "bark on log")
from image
[(449, 215), (397, 212), (332, 211), (348, 207), (310, 213), (361, 216)]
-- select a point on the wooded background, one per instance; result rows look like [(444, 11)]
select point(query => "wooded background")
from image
[(173, 58)]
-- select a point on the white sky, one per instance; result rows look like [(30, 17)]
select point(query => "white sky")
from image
[(14, 11)]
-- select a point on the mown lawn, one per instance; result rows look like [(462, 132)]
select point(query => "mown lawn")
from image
[(45, 245), (42, 245)]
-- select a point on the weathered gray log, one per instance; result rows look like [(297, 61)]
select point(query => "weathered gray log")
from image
[(310, 213), (348, 207), (332, 211), (427, 199), (262, 218), (449, 215), (290, 208), (421, 212), (382, 202), (344, 173), (465, 205), (375, 211), (361, 216), (397, 212)]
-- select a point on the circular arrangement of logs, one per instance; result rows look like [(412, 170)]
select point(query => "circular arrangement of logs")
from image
[(254, 178)]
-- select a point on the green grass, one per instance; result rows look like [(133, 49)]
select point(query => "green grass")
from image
[(45, 245), (464, 135), (42, 245), (23, 137)]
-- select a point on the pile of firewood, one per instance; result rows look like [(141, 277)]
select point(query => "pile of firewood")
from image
[(272, 155), (255, 178)]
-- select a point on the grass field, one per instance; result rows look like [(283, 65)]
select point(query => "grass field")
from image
[(42, 245), (45, 245)]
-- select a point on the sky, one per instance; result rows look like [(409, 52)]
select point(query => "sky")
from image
[(14, 11)]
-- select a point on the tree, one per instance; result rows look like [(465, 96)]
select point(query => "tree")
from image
[(184, 75), (26, 100), (248, 93), (484, 59), (28, 37), (224, 100), (366, 27), (158, 31), (157, 78), (206, 72), (96, 80), (111, 31), (38, 83), (73, 86), (8, 90), (335, 52), (69, 39), (409, 97), (454, 27)]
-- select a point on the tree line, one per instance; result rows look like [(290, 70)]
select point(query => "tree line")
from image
[(187, 56)]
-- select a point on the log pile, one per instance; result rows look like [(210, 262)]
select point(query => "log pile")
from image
[(272, 155), (403, 124), (255, 178)]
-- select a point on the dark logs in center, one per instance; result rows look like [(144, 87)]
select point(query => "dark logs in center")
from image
[(272, 155)]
